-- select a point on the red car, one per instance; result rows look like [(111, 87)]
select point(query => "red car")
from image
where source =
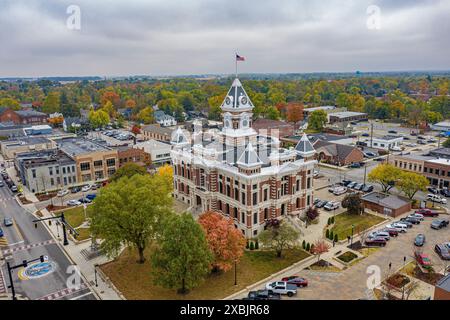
[(427, 213), (392, 232), (296, 280), (423, 259)]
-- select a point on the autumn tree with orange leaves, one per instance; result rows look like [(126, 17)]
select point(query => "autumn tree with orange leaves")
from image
[(294, 112), (320, 247), (225, 241)]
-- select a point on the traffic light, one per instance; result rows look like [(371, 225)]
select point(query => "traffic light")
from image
[(24, 263), (49, 222), (42, 258)]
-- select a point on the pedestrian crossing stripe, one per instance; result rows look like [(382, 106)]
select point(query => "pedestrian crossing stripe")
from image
[(3, 242)]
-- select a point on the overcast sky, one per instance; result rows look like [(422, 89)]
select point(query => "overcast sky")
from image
[(154, 37)]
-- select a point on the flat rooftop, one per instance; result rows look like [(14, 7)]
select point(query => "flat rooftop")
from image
[(388, 201), (347, 114), (79, 146), (26, 141), (440, 161), (388, 137)]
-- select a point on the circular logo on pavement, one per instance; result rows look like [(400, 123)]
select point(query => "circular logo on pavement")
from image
[(37, 270)]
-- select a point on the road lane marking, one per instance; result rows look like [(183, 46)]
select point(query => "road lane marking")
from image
[(17, 229), (15, 243), (29, 246), (83, 295)]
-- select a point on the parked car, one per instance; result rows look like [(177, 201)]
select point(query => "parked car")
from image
[(339, 190), (75, 189), (359, 186), (421, 142), (296, 280), (321, 204), (375, 242), (445, 192), (392, 131), (331, 205), (436, 198), (422, 259), (282, 287), (365, 134), (355, 165), (397, 227), (370, 154), (380, 234), (1, 233), (8, 222), (367, 188), (409, 219), (85, 200), (443, 250), (86, 188), (433, 190), (426, 213), (420, 137), (439, 224), (392, 232), (14, 188), (395, 148), (352, 184), (73, 203), (346, 182), (62, 193), (316, 201), (263, 295), (406, 223), (419, 240), (91, 196), (2, 184), (411, 145)]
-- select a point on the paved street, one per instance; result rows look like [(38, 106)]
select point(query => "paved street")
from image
[(25, 242)]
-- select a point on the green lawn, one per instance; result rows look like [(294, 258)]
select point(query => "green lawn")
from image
[(84, 233), (75, 216), (135, 280), (343, 224)]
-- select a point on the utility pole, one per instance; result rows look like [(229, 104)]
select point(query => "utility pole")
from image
[(64, 224), (24, 264), (371, 135), (365, 173)]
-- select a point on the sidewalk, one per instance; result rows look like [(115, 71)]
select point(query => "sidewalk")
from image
[(77, 254)]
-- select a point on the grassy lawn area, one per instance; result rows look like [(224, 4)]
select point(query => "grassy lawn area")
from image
[(343, 224), (347, 256), (84, 233), (135, 280), (75, 216)]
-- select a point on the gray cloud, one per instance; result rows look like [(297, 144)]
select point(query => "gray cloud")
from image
[(201, 36)]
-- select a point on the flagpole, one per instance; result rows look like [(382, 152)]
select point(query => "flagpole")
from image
[(235, 61)]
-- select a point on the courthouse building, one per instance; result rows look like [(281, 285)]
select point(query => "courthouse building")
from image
[(242, 173)]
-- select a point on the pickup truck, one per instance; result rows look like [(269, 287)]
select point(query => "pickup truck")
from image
[(282, 287), (263, 295)]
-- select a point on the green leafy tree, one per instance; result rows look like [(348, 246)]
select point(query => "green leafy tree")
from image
[(51, 103), (410, 183), (182, 258), (385, 175), (98, 118), (278, 237), (146, 115), (352, 202), (317, 120), (446, 143), (129, 212), (128, 170), (10, 103)]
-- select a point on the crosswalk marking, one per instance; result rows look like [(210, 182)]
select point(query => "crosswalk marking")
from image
[(64, 292), (2, 282), (3, 242), (28, 246)]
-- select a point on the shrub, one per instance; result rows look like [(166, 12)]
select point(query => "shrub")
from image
[(256, 245), (304, 244), (332, 220), (331, 235), (327, 234), (308, 246), (328, 221), (252, 246), (247, 246), (336, 238)]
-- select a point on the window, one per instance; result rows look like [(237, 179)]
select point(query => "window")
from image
[(243, 217), (98, 175), (73, 169), (111, 171), (58, 181), (50, 170), (52, 182), (33, 173), (265, 194), (86, 177), (266, 213), (64, 170), (84, 166), (57, 170), (235, 213), (243, 197), (70, 179), (65, 181), (236, 194), (255, 186), (255, 218), (111, 162), (98, 163), (255, 198)]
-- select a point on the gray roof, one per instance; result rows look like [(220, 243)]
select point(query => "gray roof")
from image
[(388, 201), (44, 158), (236, 97), (79, 146), (441, 152), (346, 114), (444, 283), (249, 157), (304, 145), (314, 137), (27, 140), (158, 129), (30, 113)]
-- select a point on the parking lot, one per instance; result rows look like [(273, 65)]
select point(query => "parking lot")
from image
[(113, 137), (351, 283)]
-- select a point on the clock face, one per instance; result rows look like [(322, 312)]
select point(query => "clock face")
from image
[(228, 101), (245, 123), (244, 100), (227, 123)]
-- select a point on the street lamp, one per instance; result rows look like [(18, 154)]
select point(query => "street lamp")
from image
[(95, 274), (351, 242), (24, 264), (403, 288)]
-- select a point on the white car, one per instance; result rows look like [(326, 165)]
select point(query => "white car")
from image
[(62, 193), (417, 216), (339, 190), (397, 227), (73, 203), (331, 205), (86, 188), (436, 198), (282, 287), (396, 148)]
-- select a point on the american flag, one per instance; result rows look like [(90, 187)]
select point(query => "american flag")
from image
[(239, 58)]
